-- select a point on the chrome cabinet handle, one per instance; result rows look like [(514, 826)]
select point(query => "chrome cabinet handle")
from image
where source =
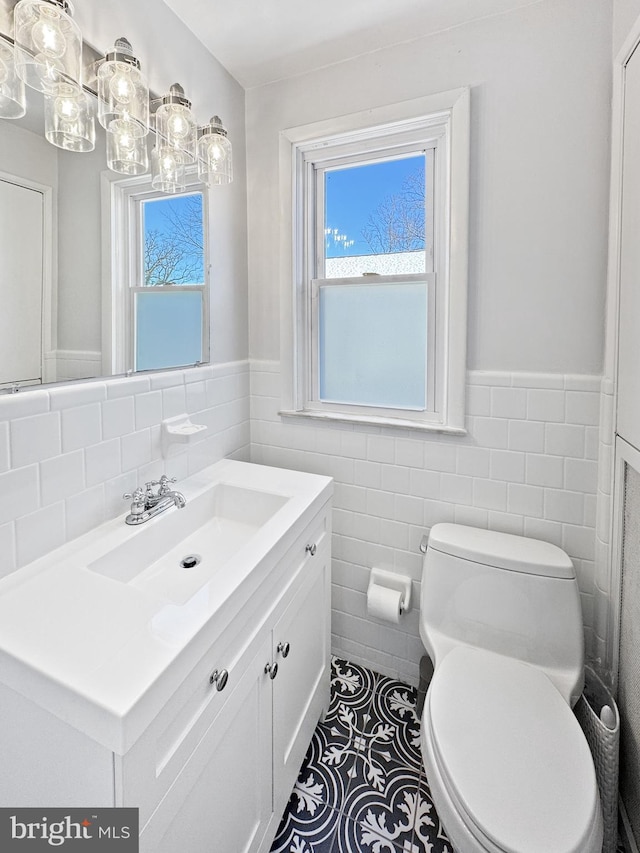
[(219, 678), (311, 549), (283, 648), (271, 669)]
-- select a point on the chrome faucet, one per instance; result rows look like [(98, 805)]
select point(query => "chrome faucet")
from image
[(145, 503)]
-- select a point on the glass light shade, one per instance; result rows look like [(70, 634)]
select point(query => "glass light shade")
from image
[(126, 152), (175, 125), (167, 170), (48, 43), (12, 95), (68, 118), (123, 93), (215, 166)]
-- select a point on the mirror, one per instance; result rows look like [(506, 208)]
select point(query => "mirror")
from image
[(56, 218)]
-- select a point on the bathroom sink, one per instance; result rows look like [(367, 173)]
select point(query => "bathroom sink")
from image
[(175, 554), (101, 631)]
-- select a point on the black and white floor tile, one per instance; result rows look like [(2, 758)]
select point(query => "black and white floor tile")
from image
[(362, 788)]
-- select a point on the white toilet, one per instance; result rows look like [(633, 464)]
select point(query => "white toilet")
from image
[(506, 761)]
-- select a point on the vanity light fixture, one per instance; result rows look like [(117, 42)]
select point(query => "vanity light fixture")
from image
[(215, 165), (46, 54), (123, 93), (13, 103), (175, 126), (48, 42), (68, 118), (167, 170)]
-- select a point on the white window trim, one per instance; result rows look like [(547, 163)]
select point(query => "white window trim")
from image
[(119, 196), (448, 113)]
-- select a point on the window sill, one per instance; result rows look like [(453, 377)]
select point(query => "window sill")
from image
[(393, 423)]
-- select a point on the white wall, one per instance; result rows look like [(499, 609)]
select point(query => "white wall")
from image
[(625, 13), (80, 249), (540, 82), (540, 87)]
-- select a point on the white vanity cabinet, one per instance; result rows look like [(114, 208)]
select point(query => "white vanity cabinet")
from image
[(231, 757), (210, 749)]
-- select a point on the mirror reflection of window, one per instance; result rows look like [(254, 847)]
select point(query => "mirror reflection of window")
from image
[(169, 296)]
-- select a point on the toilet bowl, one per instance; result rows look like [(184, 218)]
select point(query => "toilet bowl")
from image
[(507, 764)]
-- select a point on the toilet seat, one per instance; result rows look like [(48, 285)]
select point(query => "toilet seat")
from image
[(511, 755)]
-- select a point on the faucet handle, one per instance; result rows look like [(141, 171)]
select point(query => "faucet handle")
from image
[(165, 483), (136, 498)]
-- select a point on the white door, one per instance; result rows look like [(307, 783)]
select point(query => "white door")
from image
[(629, 331), (21, 280)]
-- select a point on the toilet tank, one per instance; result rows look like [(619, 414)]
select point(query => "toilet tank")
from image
[(507, 594)]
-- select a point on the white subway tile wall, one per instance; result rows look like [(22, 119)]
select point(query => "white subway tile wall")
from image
[(527, 466), (67, 454)]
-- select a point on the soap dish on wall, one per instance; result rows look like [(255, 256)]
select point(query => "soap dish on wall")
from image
[(178, 432)]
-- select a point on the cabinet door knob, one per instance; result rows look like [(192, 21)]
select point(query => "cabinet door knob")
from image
[(271, 669), (283, 648), (219, 678), (311, 549)]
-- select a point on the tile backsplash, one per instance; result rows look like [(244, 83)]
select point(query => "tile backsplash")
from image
[(528, 465), (68, 453)]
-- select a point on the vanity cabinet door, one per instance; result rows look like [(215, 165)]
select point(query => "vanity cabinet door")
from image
[(222, 799), (301, 645)]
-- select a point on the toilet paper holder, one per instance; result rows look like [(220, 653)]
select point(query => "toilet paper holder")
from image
[(392, 580)]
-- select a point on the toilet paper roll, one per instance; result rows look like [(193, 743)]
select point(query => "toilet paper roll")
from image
[(384, 603)]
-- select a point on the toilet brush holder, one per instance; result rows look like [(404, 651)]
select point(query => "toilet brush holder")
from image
[(598, 716)]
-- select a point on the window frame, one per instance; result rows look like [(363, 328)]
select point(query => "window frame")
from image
[(126, 253), (440, 121)]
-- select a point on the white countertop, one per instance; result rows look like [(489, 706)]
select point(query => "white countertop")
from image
[(104, 655)]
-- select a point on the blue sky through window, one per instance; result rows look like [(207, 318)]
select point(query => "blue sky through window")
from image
[(173, 240), (355, 195)]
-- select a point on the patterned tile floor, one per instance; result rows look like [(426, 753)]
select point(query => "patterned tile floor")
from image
[(361, 788)]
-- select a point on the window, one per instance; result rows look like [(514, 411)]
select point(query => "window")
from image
[(161, 277), (379, 265)]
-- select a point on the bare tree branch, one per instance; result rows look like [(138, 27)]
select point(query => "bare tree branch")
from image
[(398, 223), (176, 256)]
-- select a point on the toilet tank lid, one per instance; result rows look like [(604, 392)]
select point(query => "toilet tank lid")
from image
[(502, 550)]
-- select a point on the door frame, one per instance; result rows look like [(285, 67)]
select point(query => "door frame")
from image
[(49, 312)]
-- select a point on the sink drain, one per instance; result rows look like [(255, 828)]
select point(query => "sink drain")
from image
[(190, 561)]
